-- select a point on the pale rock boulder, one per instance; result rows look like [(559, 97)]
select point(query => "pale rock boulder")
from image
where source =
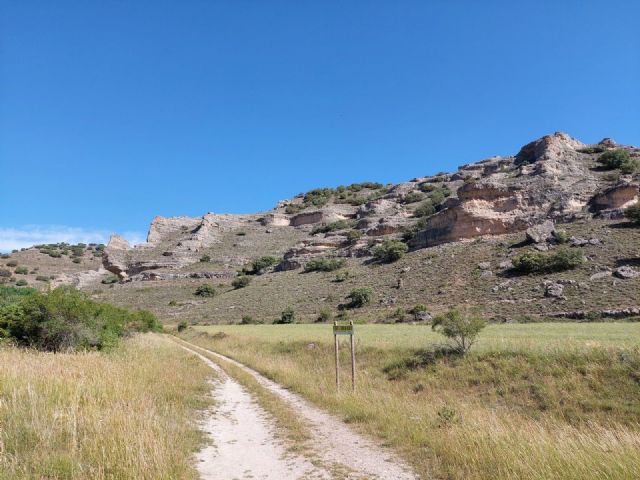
[(619, 196)]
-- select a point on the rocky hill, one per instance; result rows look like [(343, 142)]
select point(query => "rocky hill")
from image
[(463, 230)]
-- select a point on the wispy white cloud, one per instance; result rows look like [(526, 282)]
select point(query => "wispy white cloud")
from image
[(28, 235)]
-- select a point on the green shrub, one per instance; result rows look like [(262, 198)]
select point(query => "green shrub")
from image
[(258, 265), (399, 315), (360, 297), (353, 235), (205, 259), (109, 280), (55, 254), (418, 309), (318, 197), (324, 265), (293, 208), (342, 276), (633, 213), (182, 326), (425, 209), (287, 316), (560, 236), (66, 319), (390, 251), (5, 273), (21, 270), (593, 149), (249, 320), (619, 159), (12, 263), (205, 290), (324, 315), (563, 258), (241, 281), (5, 255), (22, 283), (333, 227), (76, 260), (412, 197), (462, 329), (42, 278)]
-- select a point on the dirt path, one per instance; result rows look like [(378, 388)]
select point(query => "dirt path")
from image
[(244, 445), (333, 441)]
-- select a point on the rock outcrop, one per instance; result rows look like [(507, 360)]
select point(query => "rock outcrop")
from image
[(619, 196)]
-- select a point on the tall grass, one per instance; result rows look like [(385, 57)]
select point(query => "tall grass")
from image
[(125, 414), (523, 409)]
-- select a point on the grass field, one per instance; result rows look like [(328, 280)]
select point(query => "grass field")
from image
[(532, 401), (124, 414)]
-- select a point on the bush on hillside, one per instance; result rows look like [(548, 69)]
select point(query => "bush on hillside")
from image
[(619, 159), (324, 265), (109, 280), (205, 258), (21, 270), (633, 213), (462, 329), (249, 320), (563, 258), (241, 281), (390, 251), (287, 316), (353, 236), (66, 319), (425, 209), (12, 263), (258, 265), (360, 297), (22, 283), (412, 197), (205, 290), (333, 226), (182, 326)]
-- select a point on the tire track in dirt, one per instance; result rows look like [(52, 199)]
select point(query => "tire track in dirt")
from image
[(333, 442)]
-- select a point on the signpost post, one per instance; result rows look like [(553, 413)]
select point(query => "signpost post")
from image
[(345, 330)]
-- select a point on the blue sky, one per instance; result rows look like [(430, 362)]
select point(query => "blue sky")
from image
[(112, 112)]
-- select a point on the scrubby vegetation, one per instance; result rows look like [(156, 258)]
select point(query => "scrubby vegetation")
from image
[(360, 297), (260, 264), (633, 213), (462, 329), (564, 258), (324, 265), (205, 290), (287, 316), (66, 319), (241, 281), (390, 251), (619, 159), (333, 227)]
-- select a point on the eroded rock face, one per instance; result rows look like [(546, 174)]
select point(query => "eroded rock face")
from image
[(617, 197), (161, 227), (115, 257), (541, 233), (549, 147)]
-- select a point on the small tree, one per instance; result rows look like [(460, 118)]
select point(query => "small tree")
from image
[(633, 213), (287, 316), (258, 265), (360, 297), (205, 258), (390, 251), (462, 329), (241, 282), (182, 326), (205, 290), (619, 159)]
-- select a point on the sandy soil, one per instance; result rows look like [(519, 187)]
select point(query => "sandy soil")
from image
[(333, 441)]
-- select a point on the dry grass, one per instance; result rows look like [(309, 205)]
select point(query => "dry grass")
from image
[(529, 407), (119, 415)]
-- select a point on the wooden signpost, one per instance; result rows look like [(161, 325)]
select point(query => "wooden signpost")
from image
[(345, 330)]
